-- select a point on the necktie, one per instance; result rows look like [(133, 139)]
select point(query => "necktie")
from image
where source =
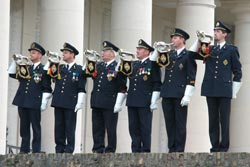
[(175, 54), (67, 67)]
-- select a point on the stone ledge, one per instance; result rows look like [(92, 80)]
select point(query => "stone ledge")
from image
[(127, 160)]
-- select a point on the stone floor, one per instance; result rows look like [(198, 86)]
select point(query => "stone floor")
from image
[(127, 160)]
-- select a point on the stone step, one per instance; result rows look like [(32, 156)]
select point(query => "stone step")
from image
[(127, 160)]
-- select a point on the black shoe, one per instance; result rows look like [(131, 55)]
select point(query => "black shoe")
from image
[(23, 152)]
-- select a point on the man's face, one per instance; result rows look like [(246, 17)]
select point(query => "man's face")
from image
[(107, 55), (35, 56), (142, 53), (219, 35), (177, 41), (67, 56)]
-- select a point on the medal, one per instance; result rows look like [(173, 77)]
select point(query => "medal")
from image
[(145, 77)]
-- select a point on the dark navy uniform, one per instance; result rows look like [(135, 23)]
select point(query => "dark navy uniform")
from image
[(145, 78), (107, 84), (217, 87), (64, 100), (180, 73), (28, 99), (222, 69)]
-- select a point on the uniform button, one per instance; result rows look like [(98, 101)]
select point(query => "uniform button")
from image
[(26, 91), (98, 85), (135, 79), (100, 81), (28, 80), (169, 80), (215, 77), (135, 84), (217, 57), (63, 83), (63, 87), (134, 89), (171, 71), (217, 62), (216, 66), (102, 73), (98, 90), (62, 91), (101, 77), (170, 76), (26, 88), (28, 84), (64, 79), (216, 72)]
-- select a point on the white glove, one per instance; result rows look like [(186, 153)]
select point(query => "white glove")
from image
[(236, 88), (189, 91), (155, 97), (154, 55), (46, 67), (80, 101), (45, 99), (194, 47), (12, 67), (119, 101), (84, 67)]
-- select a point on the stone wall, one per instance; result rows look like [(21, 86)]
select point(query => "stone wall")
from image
[(127, 160)]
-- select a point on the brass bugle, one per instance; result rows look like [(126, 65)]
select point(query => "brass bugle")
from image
[(123, 53)]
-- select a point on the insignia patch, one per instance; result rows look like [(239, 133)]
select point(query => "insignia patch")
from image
[(140, 42), (225, 62), (110, 78), (127, 66), (181, 66), (104, 44), (23, 71), (163, 59), (90, 66), (64, 45), (217, 24), (145, 77)]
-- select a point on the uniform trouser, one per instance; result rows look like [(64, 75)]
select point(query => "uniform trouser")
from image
[(219, 116), (175, 120), (104, 120), (140, 125), (65, 126), (30, 117)]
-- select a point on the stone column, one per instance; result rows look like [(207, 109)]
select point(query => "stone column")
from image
[(4, 43), (61, 21), (130, 21), (193, 15), (240, 126)]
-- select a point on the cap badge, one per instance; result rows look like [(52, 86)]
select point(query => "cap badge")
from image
[(33, 45)]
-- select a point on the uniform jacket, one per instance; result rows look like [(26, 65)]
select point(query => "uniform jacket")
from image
[(66, 89), (222, 67), (107, 84), (145, 78), (180, 72), (29, 93)]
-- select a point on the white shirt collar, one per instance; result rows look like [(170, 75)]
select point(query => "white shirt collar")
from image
[(180, 50), (222, 44), (144, 59), (36, 64), (71, 64), (109, 62)]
